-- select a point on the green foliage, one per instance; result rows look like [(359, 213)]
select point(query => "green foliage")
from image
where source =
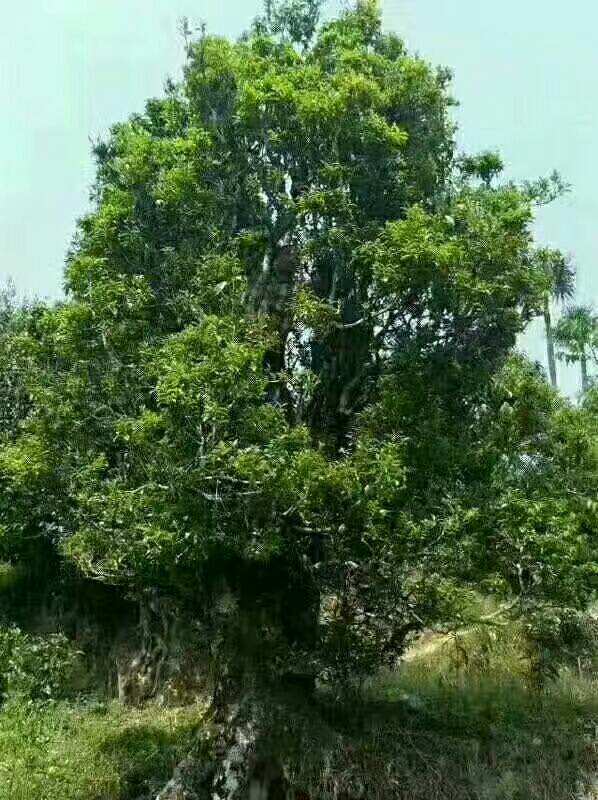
[(35, 667), (559, 271), (577, 336), (577, 333), (545, 190), (16, 316), (295, 19), (485, 166)]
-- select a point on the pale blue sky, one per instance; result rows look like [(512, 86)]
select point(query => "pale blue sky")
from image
[(525, 76)]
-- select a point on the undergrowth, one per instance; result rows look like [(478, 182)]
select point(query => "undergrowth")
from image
[(459, 721)]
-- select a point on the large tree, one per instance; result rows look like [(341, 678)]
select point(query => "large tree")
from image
[(280, 391)]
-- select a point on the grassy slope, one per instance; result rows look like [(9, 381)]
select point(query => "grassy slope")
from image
[(436, 732), (488, 739)]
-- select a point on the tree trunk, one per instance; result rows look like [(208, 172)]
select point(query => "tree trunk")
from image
[(240, 766), (585, 382), (550, 343), (251, 705), (140, 672), (244, 770)]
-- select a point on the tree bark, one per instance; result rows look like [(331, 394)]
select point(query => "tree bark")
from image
[(140, 672), (550, 343), (249, 702), (243, 770), (240, 767)]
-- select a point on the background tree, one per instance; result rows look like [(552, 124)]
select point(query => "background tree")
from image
[(485, 166), (577, 335), (562, 286), (17, 320), (293, 20)]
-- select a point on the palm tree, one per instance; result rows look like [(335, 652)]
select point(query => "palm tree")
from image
[(577, 334), (561, 276)]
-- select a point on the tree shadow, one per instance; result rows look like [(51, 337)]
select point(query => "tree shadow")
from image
[(145, 755)]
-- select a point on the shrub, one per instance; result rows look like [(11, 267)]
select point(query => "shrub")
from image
[(36, 667)]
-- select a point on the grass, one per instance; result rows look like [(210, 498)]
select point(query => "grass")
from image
[(483, 737), (461, 720), (90, 752), (458, 722)]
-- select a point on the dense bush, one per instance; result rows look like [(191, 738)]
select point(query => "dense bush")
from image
[(36, 667)]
